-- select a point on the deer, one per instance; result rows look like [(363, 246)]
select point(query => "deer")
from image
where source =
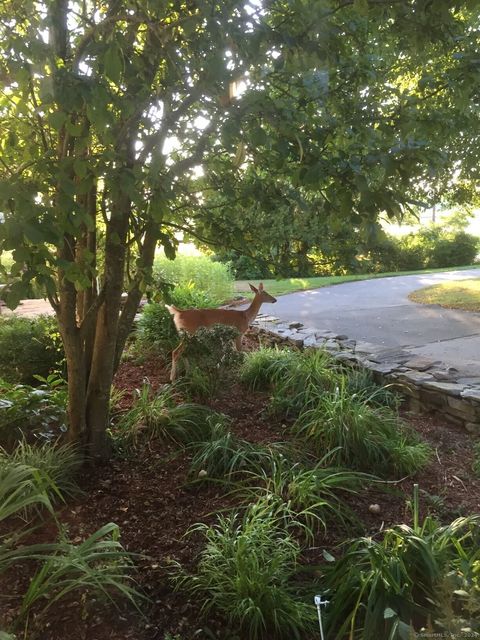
[(190, 320)]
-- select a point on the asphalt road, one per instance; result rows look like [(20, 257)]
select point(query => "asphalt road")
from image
[(379, 311)]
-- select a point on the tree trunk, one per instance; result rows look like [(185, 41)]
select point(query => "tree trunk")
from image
[(77, 431), (105, 342)]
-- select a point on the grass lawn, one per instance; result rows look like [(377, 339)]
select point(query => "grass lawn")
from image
[(289, 285), (453, 295)]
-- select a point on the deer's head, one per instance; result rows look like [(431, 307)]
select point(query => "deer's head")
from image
[(262, 294)]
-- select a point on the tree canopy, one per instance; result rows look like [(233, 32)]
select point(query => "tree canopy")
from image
[(243, 124)]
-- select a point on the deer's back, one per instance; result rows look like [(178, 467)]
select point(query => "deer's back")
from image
[(191, 319)]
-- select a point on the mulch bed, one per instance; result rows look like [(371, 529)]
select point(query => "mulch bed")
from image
[(148, 495)]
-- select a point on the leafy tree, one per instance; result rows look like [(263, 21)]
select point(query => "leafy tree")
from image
[(375, 112), (108, 107)]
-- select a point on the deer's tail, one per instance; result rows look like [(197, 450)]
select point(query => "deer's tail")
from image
[(172, 310)]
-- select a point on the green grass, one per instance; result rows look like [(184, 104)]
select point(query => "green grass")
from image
[(157, 415), (247, 572), (313, 496), (289, 285), (225, 456), (463, 294), (423, 575), (360, 435)]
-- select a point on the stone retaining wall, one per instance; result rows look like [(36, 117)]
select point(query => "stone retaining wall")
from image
[(426, 384)]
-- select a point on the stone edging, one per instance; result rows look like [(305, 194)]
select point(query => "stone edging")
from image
[(428, 385)]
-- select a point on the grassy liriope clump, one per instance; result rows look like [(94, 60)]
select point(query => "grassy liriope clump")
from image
[(425, 575), (225, 456), (298, 379), (365, 437), (247, 573), (261, 369), (31, 479), (314, 495), (56, 464), (158, 415)]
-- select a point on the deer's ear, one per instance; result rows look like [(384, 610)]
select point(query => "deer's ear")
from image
[(260, 286), (254, 289)]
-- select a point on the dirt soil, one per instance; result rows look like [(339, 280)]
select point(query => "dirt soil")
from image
[(148, 495)]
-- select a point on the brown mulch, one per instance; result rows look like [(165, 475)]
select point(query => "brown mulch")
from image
[(151, 499)]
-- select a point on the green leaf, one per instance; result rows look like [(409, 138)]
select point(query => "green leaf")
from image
[(328, 556), (389, 613), (361, 6), (113, 63), (75, 130), (57, 119), (33, 233), (80, 166)]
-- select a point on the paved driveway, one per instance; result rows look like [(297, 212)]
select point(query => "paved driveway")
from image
[(380, 312)]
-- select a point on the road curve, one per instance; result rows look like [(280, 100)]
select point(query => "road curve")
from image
[(380, 312)]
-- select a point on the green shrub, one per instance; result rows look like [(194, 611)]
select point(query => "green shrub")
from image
[(29, 347), (417, 576), (360, 436), (225, 456), (313, 495), (209, 360), (454, 250), (245, 267), (155, 326), (304, 381), (158, 415), (31, 412), (247, 573), (262, 368), (214, 279)]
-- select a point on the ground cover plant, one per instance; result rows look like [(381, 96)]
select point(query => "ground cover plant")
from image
[(31, 412), (31, 482), (366, 437), (297, 379), (28, 348), (424, 575), (247, 571)]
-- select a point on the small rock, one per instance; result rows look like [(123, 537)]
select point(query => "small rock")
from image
[(310, 341), (445, 374), (421, 364), (202, 473), (450, 388), (473, 427), (374, 508), (295, 325), (471, 394)]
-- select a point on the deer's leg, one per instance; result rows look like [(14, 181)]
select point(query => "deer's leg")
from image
[(238, 342), (176, 353)]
